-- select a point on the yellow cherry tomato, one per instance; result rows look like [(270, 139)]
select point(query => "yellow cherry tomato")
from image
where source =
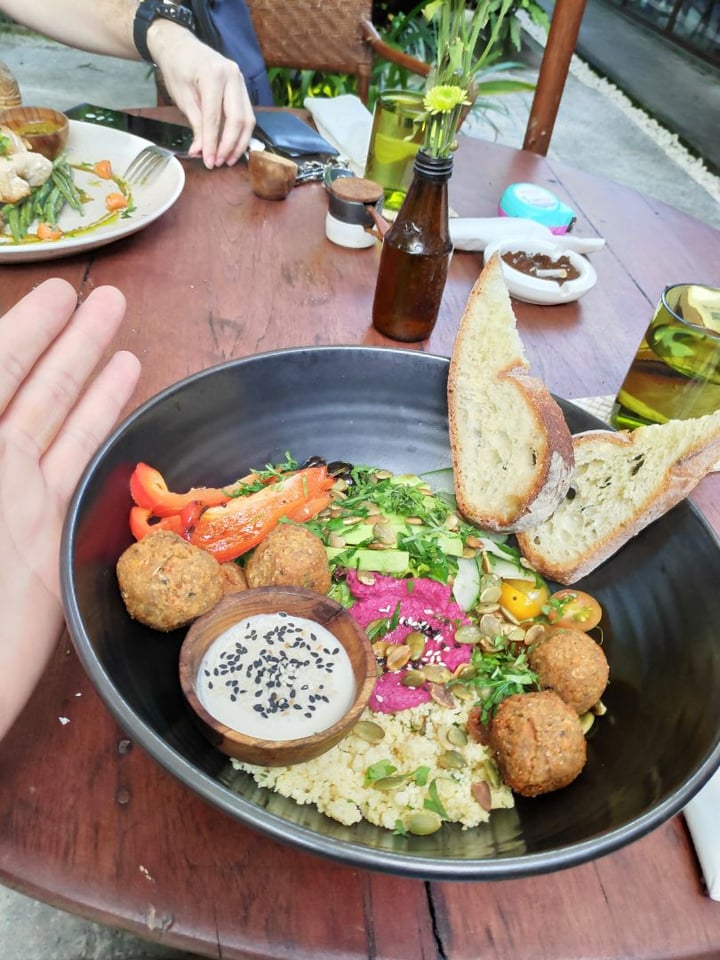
[(523, 599)]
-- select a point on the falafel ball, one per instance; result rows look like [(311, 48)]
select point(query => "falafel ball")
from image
[(537, 742), (234, 578), (572, 664), (166, 582), (290, 555)]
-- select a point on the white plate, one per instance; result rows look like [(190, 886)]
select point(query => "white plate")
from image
[(535, 290), (89, 143)]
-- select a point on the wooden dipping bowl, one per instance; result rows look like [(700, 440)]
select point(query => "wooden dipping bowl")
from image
[(43, 129), (297, 602)]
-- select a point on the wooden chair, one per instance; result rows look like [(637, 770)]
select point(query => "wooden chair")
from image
[(338, 36)]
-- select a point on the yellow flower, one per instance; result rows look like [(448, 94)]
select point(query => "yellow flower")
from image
[(444, 99)]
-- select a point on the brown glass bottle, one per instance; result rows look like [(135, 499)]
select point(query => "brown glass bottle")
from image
[(415, 255)]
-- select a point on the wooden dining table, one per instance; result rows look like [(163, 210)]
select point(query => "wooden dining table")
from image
[(92, 824)]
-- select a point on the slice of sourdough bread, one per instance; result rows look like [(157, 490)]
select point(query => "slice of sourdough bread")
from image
[(623, 481), (512, 452)]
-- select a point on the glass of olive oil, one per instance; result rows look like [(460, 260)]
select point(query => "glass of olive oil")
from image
[(676, 371), (395, 138)]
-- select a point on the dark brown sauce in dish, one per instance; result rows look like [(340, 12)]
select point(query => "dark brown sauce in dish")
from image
[(542, 266)]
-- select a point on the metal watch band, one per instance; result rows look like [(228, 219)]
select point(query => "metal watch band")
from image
[(150, 10)]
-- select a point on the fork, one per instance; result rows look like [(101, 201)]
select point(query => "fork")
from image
[(148, 163)]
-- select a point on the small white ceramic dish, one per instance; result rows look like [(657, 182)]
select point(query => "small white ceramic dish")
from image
[(537, 290)]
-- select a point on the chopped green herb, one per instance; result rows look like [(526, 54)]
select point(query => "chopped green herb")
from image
[(434, 803), (378, 771), (420, 776)]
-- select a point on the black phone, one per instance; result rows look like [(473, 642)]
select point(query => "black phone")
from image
[(172, 136)]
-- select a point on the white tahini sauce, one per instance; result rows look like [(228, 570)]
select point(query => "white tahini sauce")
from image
[(276, 677)]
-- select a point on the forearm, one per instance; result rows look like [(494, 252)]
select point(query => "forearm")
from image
[(99, 26)]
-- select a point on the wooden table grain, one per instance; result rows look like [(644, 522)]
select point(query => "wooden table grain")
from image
[(91, 824)]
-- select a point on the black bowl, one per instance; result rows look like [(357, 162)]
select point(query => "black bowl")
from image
[(653, 750)]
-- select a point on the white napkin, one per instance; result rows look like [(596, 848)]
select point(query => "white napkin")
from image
[(346, 123), (476, 233), (702, 816)]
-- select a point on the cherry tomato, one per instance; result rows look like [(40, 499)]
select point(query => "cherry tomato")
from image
[(523, 599), (573, 608)]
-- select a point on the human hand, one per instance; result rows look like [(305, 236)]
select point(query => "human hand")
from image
[(52, 420), (208, 88)]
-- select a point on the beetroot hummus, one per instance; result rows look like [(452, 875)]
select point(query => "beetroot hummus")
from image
[(426, 606)]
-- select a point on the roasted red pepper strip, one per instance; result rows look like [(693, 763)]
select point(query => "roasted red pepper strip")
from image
[(312, 508), (230, 530), (150, 491), (181, 523)]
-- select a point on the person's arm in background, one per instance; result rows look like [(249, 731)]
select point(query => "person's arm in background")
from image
[(207, 87), (52, 420)]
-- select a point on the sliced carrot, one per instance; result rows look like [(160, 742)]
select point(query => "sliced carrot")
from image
[(116, 201), (47, 232), (103, 169)]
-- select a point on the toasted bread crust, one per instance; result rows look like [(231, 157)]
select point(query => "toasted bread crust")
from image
[(612, 502), (512, 451)]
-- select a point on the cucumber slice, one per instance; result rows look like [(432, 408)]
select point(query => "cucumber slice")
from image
[(508, 570), (466, 587)]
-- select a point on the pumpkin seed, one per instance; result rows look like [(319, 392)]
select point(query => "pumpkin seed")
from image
[(454, 736), (509, 616), (413, 678), (352, 521), (335, 540), (473, 541), (490, 625), (367, 577), (440, 694), (534, 633), (469, 553), (451, 760), (416, 641), (385, 533), (599, 709), (515, 634), (587, 720), (452, 521), (414, 521), (423, 823), (467, 633), (486, 563), (382, 475), (393, 782), (370, 508), (436, 673), (461, 692), (397, 655), (491, 773), (487, 607), (369, 731), (490, 593), (466, 671)]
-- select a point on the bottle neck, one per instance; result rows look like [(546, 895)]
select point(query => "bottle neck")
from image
[(433, 168)]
